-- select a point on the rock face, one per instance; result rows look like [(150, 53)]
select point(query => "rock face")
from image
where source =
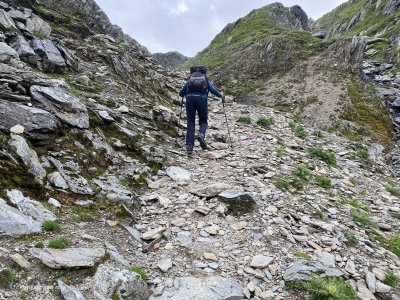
[(210, 288), (7, 53), (68, 258), (38, 123), (14, 223), (66, 107), (110, 280), (51, 59), (24, 50), (20, 147), (170, 59)]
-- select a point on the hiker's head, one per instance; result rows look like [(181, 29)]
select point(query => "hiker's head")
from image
[(201, 69)]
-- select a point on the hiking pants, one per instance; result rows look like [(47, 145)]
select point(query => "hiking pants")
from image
[(195, 104)]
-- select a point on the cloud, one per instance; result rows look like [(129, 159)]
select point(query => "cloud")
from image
[(179, 9)]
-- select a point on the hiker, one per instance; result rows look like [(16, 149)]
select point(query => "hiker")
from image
[(196, 91)]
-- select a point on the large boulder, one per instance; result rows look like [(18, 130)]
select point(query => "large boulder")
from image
[(24, 50), (20, 14), (6, 23), (35, 23), (15, 223), (29, 157), (38, 123), (51, 59), (7, 53), (112, 281), (66, 107)]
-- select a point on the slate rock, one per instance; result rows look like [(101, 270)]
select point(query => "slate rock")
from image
[(24, 50), (39, 124), (239, 203), (30, 207), (115, 255), (57, 180), (36, 23), (68, 258), (69, 292), (7, 53), (6, 22), (110, 281), (106, 117), (261, 261), (210, 288), (20, 261), (15, 223), (299, 272), (66, 107), (178, 174), (165, 264), (20, 14), (20, 147), (211, 190), (51, 59)]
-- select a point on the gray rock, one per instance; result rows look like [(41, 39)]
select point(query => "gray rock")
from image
[(20, 147), (83, 79), (35, 23), (15, 223), (164, 114), (7, 53), (165, 264), (320, 34), (115, 191), (24, 50), (326, 258), (238, 203), (30, 207), (211, 190), (105, 116), (371, 281), (69, 292), (38, 123), (6, 22), (350, 267), (20, 14), (178, 174), (382, 288), (68, 258), (110, 281), (57, 180), (51, 59), (115, 255), (54, 202), (66, 107), (20, 261), (299, 272), (210, 288), (261, 261), (78, 184)]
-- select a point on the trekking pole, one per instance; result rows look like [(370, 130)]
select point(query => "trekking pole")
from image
[(226, 119), (179, 125)]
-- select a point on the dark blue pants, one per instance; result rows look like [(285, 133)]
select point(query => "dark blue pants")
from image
[(195, 104)]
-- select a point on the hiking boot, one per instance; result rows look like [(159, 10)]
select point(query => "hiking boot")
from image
[(189, 152), (202, 142)]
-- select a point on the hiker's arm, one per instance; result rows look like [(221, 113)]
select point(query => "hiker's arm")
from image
[(213, 90), (183, 91)]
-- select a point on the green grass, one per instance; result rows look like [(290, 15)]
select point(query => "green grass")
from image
[(397, 216), (59, 243), (361, 217), (141, 272), (319, 214), (362, 153), (302, 172), (325, 155), (391, 279), (50, 225), (351, 239), (323, 182), (328, 288), (302, 254), (393, 244), (300, 132), (356, 204), (353, 181), (7, 278), (318, 134), (38, 34), (392, 190), (244, 120), (265, 122)]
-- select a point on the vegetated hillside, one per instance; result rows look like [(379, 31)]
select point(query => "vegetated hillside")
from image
[(171, 60), (271, 57)]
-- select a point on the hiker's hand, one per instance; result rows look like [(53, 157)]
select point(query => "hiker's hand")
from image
[(223, 94)]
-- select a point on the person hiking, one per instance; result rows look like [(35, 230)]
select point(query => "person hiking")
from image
[(196, 90)]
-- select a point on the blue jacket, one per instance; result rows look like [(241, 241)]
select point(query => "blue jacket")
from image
[(211, 88)]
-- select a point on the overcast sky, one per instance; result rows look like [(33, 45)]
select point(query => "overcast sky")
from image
[(188, 26)]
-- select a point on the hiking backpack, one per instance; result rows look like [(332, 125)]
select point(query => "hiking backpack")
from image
[(198, 82)]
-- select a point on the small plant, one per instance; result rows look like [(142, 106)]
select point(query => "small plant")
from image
[(7, 278), (280, 151), (328, 288), (353, 181), (302, 254), (300, 132), (50, 225), (361, 217), (59, 243), (244, 120), (351, 239), (280, 142), (265, 122), (391, 279), (392, 190), (362, 153), (39, 245), (397, 216), (323, 182), (302, 172), (319, 214), (393, 244), (318, 134), (356, 204), (282, 184), (38, 34), (325, 155), (141, 272)]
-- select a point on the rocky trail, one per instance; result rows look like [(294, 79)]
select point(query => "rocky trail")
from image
[(228, 224)]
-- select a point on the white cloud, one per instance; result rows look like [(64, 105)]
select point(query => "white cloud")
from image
[(179, 9)]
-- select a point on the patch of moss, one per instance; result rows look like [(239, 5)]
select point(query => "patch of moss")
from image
[(7, 278), (141, 272)]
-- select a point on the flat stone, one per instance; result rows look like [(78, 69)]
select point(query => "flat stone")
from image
[(363, 292), (213, 229), (178, 174), (239, 203), (299, 272), (210, 288), (382, 288), (350, 267), (211, 190), (14, 223), (20, 261), (326, 258), (165, 264), (115, 255), (69, 292), (210, 256), (152, 234), (179, 222), (54, 202), (68, 258), (379, 273), (371, 281), (239, 226), (57, 180), (7, 53), (261, 261), (105, 116)]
